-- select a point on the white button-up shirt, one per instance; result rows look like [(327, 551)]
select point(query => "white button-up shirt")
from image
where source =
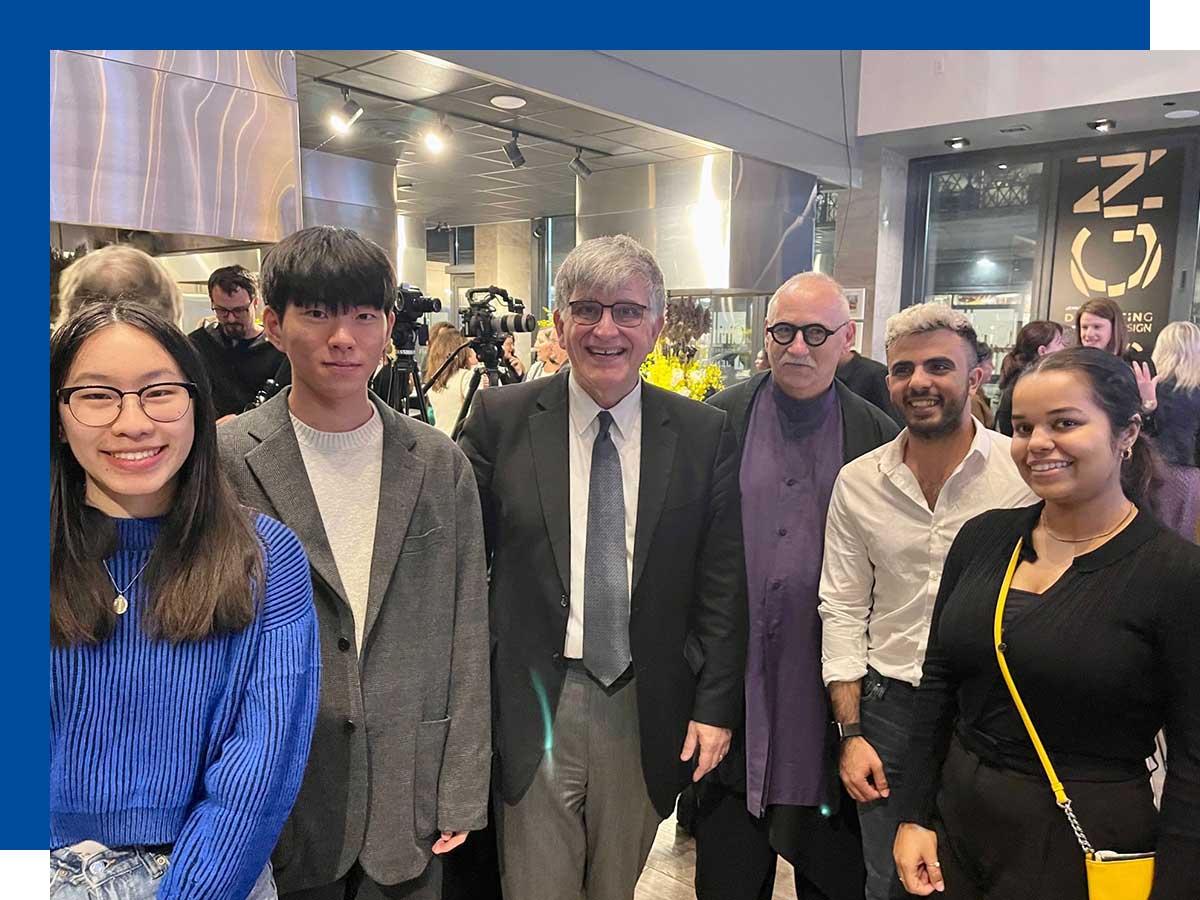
[(626, 434), (885, 548)]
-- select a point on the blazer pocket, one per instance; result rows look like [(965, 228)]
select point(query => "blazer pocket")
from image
[(693, 653), (430, 746), (419, 543)]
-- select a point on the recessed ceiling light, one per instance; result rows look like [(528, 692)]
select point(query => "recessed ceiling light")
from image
[(1183, 114), (1102, 125), (1002, 166), (508, 101), (958, 143)]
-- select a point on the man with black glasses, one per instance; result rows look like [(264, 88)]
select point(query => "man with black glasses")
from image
[(778, 790), (235, 349)]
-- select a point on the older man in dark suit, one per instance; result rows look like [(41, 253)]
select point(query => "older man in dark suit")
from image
[(778, 790), (617, 595), (388, 511)]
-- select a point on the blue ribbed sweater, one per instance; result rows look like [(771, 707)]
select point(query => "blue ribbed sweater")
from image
[(199, 744)]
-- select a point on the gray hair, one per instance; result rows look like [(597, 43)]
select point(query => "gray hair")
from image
[(805, 280), (119, 270), (606, 263), (921, 318)]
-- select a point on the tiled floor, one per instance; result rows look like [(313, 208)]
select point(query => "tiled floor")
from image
[(669, 871)]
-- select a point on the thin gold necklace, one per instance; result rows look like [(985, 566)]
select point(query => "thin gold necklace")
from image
[(1046, 528)]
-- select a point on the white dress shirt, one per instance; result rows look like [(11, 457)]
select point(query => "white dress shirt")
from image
[(626, 434), (885, 549)]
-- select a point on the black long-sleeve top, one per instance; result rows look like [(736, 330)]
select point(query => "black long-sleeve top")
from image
[(1103, 659)]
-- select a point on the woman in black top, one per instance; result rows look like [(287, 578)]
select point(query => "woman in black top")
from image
[(1175, 424), (1102, 628), (1034, 341)]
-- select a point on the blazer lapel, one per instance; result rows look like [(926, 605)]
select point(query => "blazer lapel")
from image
[(277, 464), (551, 461), (400, 481), (858, 430), (658, 456)]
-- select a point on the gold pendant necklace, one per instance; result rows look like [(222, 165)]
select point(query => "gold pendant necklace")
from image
[(120, 604)]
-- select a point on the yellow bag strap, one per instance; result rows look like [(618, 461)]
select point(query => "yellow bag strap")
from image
[(1056, 786)]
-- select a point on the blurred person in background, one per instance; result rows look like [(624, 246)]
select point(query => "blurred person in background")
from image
[(119, 270), (550, 355), (449, 389), (1034, 340), (1175, 424), (1100, 323), (981, 406), (235, 349)]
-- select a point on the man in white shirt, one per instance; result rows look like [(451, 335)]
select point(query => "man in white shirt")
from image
[(613, 524), (892, 518)]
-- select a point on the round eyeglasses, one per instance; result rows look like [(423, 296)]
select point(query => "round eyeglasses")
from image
[(588, 312), (99, 405), (814, 334)]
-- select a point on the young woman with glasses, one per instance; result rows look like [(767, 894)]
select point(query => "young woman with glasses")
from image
[(183, 643)]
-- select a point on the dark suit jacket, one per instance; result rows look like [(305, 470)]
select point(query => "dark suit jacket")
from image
[(688, 605), (864, 427), (402, 746)]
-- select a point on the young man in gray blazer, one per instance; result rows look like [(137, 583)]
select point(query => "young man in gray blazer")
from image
[(617, 590), (388, 511)]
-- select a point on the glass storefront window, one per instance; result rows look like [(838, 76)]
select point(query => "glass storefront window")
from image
[(560, 240), (982, 246)]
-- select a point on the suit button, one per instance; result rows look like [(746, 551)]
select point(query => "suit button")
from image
[(791, 482), (557, 657), (783, 532), (350, 726), (563, 602), (343, 644)]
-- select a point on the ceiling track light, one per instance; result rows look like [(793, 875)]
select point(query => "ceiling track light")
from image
[(513, 152), (350, 113), (1102, 125), (578, 166), (958, 143)]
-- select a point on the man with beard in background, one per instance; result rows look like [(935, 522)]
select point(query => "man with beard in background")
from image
[(893, 515)]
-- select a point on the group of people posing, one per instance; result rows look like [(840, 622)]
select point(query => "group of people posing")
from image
[(323, 652)]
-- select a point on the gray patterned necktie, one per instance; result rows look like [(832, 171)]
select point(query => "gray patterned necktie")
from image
[(605, 575)]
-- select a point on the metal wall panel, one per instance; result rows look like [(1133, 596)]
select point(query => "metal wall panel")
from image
[(352, 193), (410, 250), (265, 71), (138, 147)]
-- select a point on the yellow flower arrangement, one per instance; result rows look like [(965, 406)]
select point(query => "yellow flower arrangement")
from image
[(683, 376)]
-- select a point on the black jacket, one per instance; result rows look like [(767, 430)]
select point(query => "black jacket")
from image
[(688, 604)]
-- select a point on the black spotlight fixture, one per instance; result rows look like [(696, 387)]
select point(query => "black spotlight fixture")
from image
[(347, 115), (1102, 125), (958, 143), (578, 166), (513, 152)]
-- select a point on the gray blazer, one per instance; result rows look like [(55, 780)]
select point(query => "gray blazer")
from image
[(404, 728)]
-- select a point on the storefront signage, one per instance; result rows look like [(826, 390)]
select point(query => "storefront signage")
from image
[(1115, 238)]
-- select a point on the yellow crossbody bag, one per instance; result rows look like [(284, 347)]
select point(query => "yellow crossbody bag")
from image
[(1110, 875)]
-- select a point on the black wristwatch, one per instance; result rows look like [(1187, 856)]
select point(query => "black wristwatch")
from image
[(849, 729)]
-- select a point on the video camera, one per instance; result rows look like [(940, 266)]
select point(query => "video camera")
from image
[(486, 329)]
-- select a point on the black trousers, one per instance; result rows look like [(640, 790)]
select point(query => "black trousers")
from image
[(1001, 835), (736, 853)]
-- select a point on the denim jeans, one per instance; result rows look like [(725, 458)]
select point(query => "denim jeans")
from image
[(131, 873), (886, 713)]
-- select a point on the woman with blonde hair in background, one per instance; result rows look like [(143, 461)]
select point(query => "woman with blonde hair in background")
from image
[(1175, 424), (449, 388), (119, 270)]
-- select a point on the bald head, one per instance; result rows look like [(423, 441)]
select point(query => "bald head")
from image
[(808, 292), (801, 370)]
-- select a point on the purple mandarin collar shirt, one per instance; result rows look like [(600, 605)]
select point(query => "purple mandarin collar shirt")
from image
[(793, 452)]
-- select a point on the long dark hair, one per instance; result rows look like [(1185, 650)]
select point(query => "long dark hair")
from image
[(206, 570), (1115, 391), (1110, 310), (1030, 339)]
